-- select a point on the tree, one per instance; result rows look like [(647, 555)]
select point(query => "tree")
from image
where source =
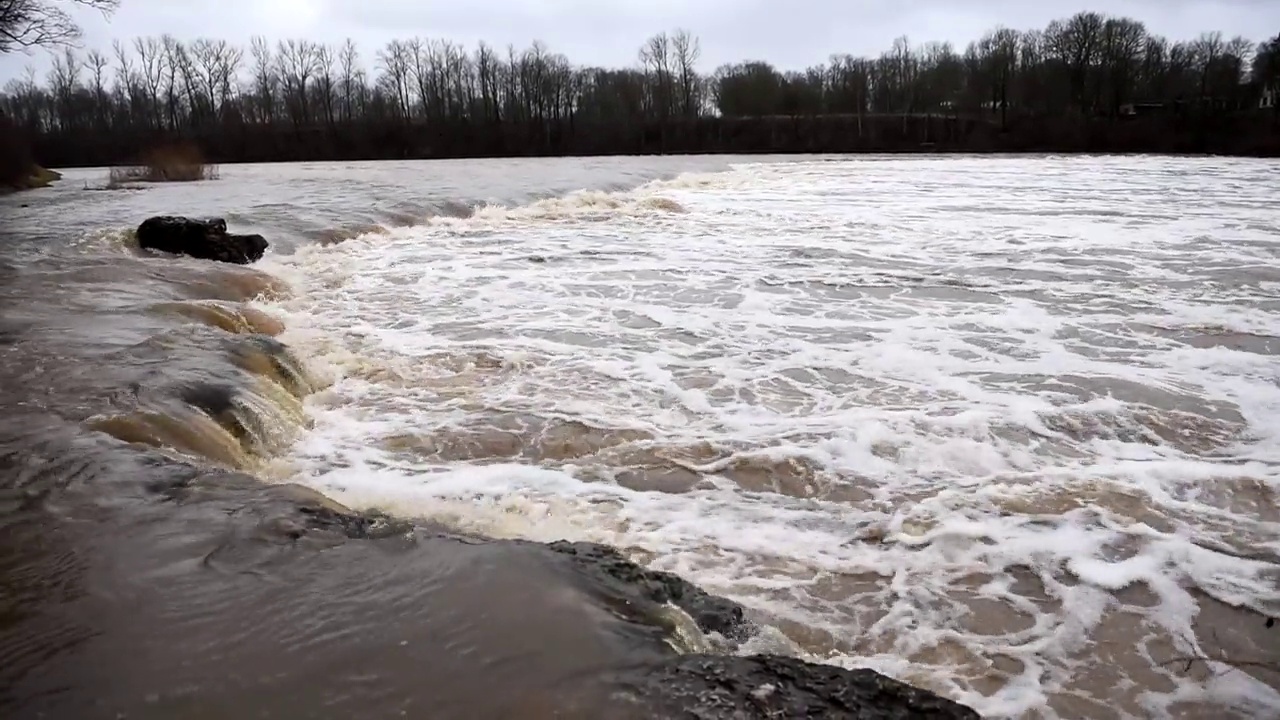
[(1266, 64), (687, 51), (1123, 41), (32, 23), (1075, 85), (656, 57), (1266, 73)]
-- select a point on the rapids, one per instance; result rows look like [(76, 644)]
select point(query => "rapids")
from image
[(1005, 428)]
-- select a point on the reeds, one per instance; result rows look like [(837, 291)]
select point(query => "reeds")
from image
[(171, 163)]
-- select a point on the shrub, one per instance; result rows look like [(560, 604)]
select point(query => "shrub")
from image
[(170, 163)]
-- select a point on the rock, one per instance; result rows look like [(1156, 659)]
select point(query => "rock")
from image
[(285, 512), (724, 687), (711, 613), (206, 239), (704, 686)]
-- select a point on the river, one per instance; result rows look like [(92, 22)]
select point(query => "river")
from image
[(1007, 428)]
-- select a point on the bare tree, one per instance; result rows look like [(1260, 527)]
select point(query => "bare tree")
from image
[(655, 57), (486, 65), (64, 81), (1266, 64), (350, 74), (174, 55), (1123, 42), (1032, 89), (209, 59), (1075, 43), (228, 70), (1266, 73), (265, 79), (1207, 50), (31, 23), (325, 85), (396, 60), (297, 62), (127, 85), (151, 66), (425, 77), (687, 50)]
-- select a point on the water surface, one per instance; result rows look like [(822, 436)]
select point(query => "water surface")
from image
[(1007, 428)]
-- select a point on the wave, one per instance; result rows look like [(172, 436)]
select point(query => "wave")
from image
[(291, 227), (581, 206)]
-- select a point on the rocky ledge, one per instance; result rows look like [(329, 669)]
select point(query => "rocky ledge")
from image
[(205, 239), (718, 687), (714, 686), (608, 566)]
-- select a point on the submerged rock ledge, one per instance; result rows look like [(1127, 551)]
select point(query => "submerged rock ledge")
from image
[(711, 687)]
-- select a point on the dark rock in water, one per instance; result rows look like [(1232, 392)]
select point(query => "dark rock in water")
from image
[(250, 350), (711, 613), (214, 399), (723, 687), (206, 239), (252, 245), (729, 687), (287, 512)]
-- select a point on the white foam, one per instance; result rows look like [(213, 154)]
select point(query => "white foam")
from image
[(960, 340)]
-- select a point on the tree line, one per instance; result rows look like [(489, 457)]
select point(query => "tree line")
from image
[(1090, 82)]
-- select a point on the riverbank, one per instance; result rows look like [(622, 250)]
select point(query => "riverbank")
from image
[(38, 177), (1246, 134)]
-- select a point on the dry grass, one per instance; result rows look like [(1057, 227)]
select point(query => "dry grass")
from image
[(35, 178), (17, 171), (173, 163)]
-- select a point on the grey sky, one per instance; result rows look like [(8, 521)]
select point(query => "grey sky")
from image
[(789, 33)]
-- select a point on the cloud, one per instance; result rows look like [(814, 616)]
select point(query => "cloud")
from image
[(791, 34)]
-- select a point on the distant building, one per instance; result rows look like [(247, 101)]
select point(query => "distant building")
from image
[(1269, 98), (1136, 109)]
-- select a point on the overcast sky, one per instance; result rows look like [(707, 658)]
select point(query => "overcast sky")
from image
[(789, 33)]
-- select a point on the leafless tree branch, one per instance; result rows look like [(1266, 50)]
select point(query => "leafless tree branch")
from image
[(43, 23)]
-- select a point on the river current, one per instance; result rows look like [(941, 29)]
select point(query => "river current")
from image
[(1007, 428)]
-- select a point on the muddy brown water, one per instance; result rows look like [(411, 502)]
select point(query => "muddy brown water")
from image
[(888, 406), (141, 578)]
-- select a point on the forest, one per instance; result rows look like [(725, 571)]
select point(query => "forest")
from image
[(1086, 83)]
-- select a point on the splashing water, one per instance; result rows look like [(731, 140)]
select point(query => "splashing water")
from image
[(1005, 428)]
